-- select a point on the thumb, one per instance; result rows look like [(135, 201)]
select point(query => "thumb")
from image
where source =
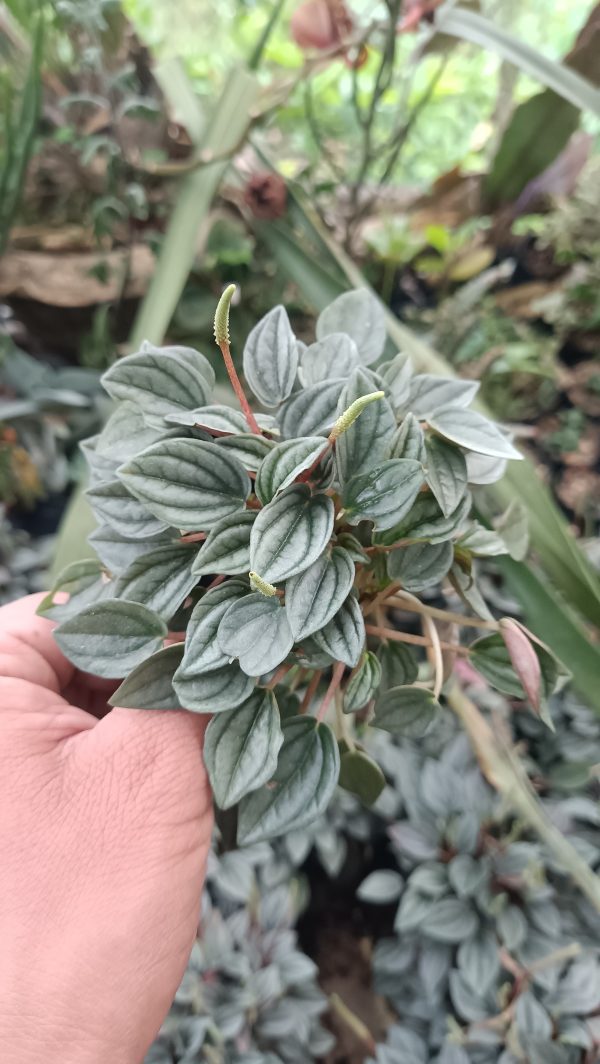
[(149, 764), (147, 740)]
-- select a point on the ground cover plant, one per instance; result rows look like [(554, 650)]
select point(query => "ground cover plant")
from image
[(474, 944), (249, 564)]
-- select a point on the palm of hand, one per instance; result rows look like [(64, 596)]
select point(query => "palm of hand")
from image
[(104, 833)]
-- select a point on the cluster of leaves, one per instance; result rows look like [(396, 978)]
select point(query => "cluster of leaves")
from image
[(494, 957), (43, 413), (249, 995), (273, 541)]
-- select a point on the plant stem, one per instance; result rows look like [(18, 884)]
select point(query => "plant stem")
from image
[(502, 768), (352, 1021), (297, 677), (414, 640), (311, 691), (342, 722), (334, 683), (432, 634), (236, 384), (278, 677), (381, 597), (217, 580), (439, 614), (194, 537)]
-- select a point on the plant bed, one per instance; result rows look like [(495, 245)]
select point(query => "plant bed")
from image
[(416, 990)]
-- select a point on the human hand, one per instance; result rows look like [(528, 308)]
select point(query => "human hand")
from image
[(104, 831)]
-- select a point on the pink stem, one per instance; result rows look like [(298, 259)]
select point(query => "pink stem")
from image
[(239, 391), (336, 679)]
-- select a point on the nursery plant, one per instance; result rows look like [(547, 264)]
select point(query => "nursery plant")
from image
[(482, 946), (252, 561)]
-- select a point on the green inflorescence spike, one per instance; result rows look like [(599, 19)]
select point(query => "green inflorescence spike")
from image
[(221, 326)]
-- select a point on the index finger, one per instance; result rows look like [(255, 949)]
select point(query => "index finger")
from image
[(28, 650)]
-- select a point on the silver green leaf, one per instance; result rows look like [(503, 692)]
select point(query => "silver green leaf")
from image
[(117, 552), (533, 1022), (479, 962), (354, 547), (271, 358), (284, 463), (311, 412), (425, 521), (100, 467), (362, 776), (202, 653), (189, 484), (301, 787), (247, 447), (363, 684), (255, 630), (446, 473), (407, 711), (310, 656), (360, 315), (160, 580), (385, 494), (513, 527), (381, 887), (217, 419), (215, 691), (150, 685), (313, 597), (408, 440), (332, 358), (398, 665), (465, 584), (213, 418), (344, 637), (110, 638), (227, 546), (290, 533), (126, 434), (482, 542), (481, 469), (161, 381), (472, 431), (450, 920), (83, 583), (241, 748), (114, 505), (429, 393), (367, 442), (420, 565), (396, 376)]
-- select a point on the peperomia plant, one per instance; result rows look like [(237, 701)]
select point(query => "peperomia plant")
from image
[(252, 564)]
